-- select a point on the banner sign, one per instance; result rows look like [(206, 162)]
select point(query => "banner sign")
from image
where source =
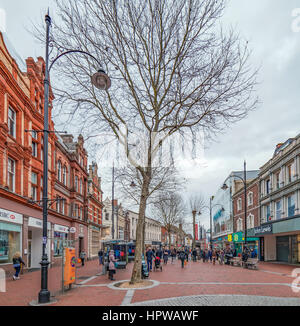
[(196, 232)]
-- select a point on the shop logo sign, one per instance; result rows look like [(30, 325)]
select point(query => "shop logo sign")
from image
[(2, 280), (296, 282)]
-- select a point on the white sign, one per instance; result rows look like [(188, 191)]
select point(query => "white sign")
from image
[(73, 229), (37, 223), (61, 228), (9, 216)]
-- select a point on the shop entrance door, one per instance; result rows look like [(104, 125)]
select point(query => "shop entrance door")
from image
[(283, 249), (29, 252)]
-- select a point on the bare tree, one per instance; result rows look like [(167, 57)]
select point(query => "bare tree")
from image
[(169, 211), (172, 69)]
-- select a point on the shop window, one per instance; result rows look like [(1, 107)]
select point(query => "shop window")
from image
[(11, 171), (12, 122), (9, 243), (59, 237)]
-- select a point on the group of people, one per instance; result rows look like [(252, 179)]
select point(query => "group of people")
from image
[(158, 255)]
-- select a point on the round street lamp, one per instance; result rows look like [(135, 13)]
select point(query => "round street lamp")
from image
[(100, 80)]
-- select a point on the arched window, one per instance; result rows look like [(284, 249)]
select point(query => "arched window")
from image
[(59, 170)]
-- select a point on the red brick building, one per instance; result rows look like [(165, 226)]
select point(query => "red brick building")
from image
[(21, 170), (253, 214)]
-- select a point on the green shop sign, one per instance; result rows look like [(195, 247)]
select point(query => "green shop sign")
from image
[(238, 237)]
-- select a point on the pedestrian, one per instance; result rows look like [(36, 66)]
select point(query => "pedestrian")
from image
[(173, 255), (100, 255), (210, 255), (182, 257), (194, 255), (214, 257), (159, 253), (111, 265), (17, 262), (149, 255), (166, 256), (82, 257)]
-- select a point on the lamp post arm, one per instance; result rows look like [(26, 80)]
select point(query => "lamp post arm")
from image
[(236, 176), (73, 51)]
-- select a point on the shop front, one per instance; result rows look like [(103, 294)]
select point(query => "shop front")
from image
[(35, 242), (59, 235), (10, 235), (282, 242), (95, 240)]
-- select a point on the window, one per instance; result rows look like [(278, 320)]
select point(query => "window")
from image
[(291, 205), (278, 209), (76, 183), (42, 148), (34, 143), (268, 213), (81, 186), (10, 242), (268, 186), (250, 199), (65, 175), (34, 185), (289, 173), (277, 179), (12, 122), (106, 216), (59, 171), (58, 242), (250, 221), (11, 170), (239, 204)]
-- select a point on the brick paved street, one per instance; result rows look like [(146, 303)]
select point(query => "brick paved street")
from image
[(198, 283)]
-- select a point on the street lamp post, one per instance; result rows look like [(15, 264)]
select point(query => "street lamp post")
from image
[(113, 198), (244, 179), (101, 81)]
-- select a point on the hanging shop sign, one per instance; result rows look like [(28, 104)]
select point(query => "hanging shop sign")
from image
[(61, 228)]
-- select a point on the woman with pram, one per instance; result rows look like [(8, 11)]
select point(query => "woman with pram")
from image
[(157, 264)]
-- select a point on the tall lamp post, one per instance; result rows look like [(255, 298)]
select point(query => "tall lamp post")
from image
[(210, 216), (112, 201), (224, 187), (101, 81)]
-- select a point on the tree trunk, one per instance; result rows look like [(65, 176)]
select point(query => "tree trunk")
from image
[(136, 276)]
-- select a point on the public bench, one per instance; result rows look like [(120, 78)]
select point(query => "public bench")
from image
[(236, 261), (251, 262)]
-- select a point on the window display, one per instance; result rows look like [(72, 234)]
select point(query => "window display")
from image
[(9, 245), (58, 242)]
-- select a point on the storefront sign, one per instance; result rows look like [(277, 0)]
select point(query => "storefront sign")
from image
[(9, 216), (61, 228), (72, 229), (37, 223), (262, 230)]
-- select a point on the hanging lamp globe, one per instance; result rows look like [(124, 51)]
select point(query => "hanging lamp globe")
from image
[(101, 81)]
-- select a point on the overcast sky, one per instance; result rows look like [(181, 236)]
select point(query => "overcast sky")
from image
[(272, 33)]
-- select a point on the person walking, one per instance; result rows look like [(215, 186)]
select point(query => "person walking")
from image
[(149, 255), (17, 262), (82, 257), (173, 255), (166, 256), (111, 265), (214, 257), (194, 255), (210, 255), (100, 255), (182, 257)]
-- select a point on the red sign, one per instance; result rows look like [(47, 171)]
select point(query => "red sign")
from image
[(196, 232)]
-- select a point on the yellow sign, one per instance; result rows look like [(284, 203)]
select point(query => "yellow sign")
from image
[(230, 237), (70, 265)]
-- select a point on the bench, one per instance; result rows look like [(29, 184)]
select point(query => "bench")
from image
[(251, 262), (236, 261)]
